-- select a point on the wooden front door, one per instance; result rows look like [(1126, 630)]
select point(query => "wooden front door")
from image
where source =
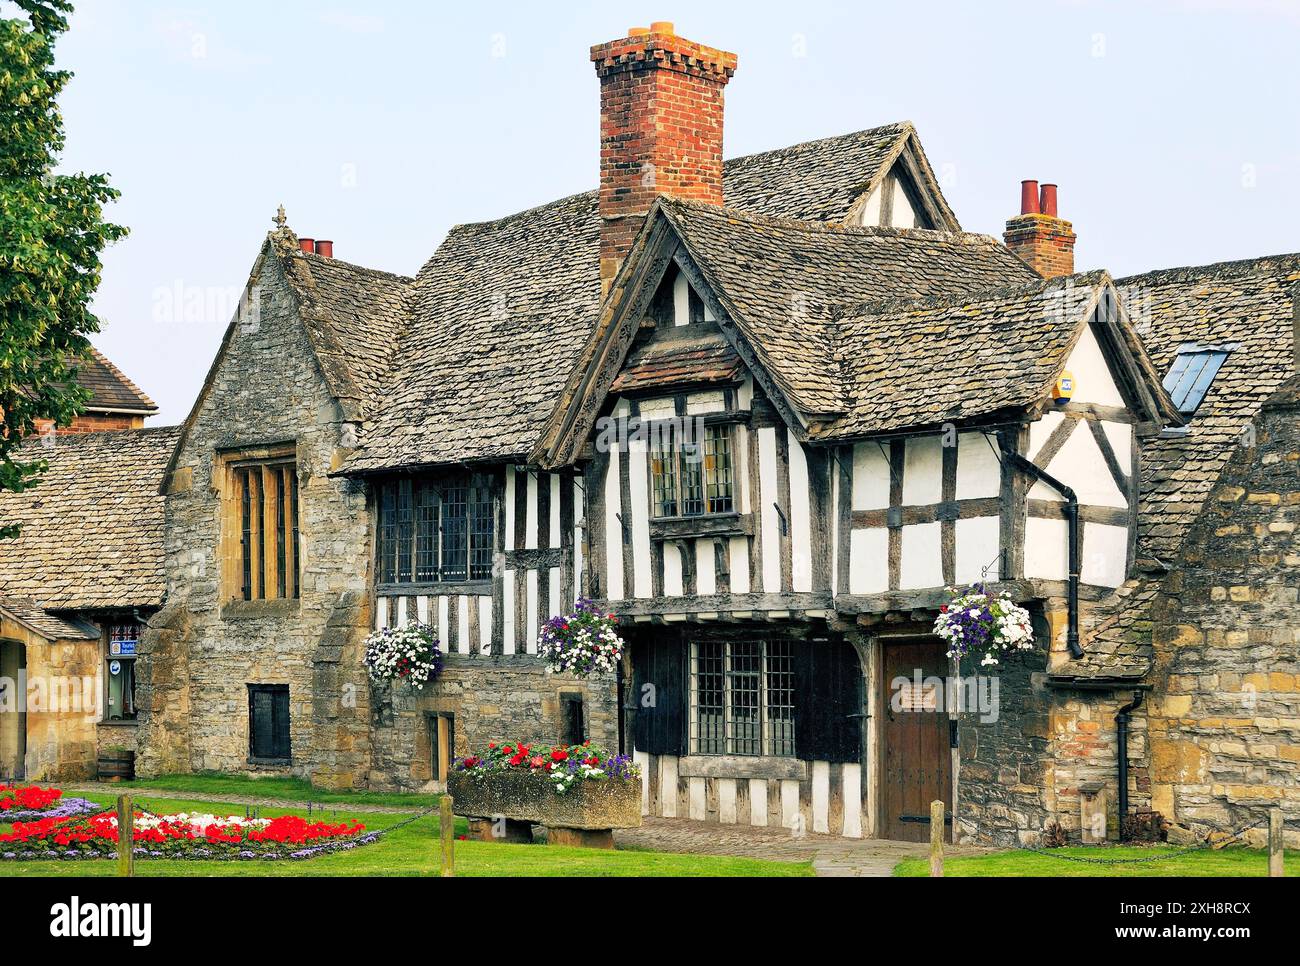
[(917, 758)]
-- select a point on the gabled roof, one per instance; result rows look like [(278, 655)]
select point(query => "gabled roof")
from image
[(774, 285), (111, 391), (92, 528), (502, 308), (908, 365), (352, 316), (42, 623), (828, 180), (1252, 304), (781, 282)]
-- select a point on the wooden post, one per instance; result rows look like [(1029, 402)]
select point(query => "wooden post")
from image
[(936, 839), (447, 828), (1275, 843), (125, 836)]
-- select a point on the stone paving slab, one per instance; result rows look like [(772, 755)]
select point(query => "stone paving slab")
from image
[(830, 855)]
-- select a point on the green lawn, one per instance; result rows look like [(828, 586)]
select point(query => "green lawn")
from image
[(297, 790), (1227, 862), (413, 850)]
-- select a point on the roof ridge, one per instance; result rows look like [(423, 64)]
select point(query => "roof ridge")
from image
[(742, 160), (901, 303), (330, 259), (108, 363), (1236, 266), (902, 127)]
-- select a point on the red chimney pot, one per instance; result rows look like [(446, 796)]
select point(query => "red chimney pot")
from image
[(1029, 197), (307, 245), (325, 247), (1048, 203)]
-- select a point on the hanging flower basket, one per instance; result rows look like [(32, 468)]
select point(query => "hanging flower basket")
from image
[(979, 623), (582, 643), (408, 654)]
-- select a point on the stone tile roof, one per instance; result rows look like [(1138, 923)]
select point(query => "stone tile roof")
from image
[(502, 308), (821, 180), (783, 282), (92, 528), (40, 621), (941, 359), (110, 388), (353, 315), (1250, 303)]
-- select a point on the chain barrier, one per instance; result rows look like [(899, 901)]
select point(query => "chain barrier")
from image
[(1198, 847)]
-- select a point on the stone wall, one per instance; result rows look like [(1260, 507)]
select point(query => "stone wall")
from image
[(64, 695), (492, 698), (200, 654), (1003, 793), (1225, 724)]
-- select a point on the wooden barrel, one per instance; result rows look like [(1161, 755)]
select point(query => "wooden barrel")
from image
[(116, 766)]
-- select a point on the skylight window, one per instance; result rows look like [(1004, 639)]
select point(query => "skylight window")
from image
[(1193, 371)]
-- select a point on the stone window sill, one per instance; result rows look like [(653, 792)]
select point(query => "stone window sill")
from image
[(119, 724), (235, 610)]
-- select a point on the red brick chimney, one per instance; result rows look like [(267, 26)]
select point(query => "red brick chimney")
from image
[(1044, 241), (660, 129)]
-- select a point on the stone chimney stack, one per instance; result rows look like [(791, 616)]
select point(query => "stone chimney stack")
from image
[(1044, 241), (660, 129)]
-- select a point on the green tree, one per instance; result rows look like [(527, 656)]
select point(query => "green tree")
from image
[(52, 230)]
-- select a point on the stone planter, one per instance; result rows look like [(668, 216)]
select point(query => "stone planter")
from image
[(584, 815)]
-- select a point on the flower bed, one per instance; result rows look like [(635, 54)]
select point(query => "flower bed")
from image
[(581, 643), (30, 803), (577, 787), (975, 622), (182, 836)]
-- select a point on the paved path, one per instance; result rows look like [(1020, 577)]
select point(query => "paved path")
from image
[(830, 855)]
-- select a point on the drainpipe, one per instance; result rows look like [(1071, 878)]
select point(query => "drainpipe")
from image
[(1121, 725), (1072, 525)]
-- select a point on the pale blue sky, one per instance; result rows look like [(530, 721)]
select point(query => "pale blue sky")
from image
[(1170, 125)]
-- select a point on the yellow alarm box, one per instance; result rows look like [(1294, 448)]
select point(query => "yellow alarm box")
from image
[(1064, 387)]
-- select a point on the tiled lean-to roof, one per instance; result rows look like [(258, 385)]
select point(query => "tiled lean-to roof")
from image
[(92, 529), (40, 621), (500, 311)]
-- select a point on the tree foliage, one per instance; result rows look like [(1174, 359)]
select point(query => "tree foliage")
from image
[(52, 231)]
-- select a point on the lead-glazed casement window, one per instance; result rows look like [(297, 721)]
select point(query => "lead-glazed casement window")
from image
[(436, 529), (268, 723), (742, 698), (691, 473), (262, 527)]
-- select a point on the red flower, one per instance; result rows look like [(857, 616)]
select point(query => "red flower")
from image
[(559, 754), (593, 760), (471, 761)]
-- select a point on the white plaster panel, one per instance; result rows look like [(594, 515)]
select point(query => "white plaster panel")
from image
[(923, 471), (699, 403), (1105, 554), (800, 517), (870, 477), (613, 532), (1046, 549), (1079, 464), (705, 578), (771, 524), (922, 563), (979, 474), (1093, 381), (638, 488), (869, 560), (977, 543)]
